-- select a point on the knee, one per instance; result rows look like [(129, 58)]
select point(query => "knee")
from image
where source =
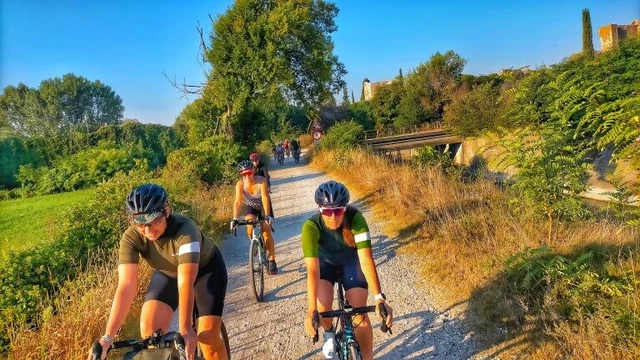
[(210, 341)]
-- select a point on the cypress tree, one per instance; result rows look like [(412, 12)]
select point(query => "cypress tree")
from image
[(345, 95), (352, 98), (587, 34)]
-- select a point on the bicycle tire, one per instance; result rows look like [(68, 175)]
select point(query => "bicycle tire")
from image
[(354, 352), (257, 271), (225, 339)]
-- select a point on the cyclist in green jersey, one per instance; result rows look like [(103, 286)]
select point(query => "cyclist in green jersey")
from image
[(189, 270), (337, 238)]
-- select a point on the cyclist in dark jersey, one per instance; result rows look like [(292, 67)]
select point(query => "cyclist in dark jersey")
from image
[(252, 200), (338, 238), (260, 169), (188, 268)]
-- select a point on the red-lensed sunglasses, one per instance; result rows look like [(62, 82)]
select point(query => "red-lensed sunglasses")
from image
[(248, 173), (337, 211)]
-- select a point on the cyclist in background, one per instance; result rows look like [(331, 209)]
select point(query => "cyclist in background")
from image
[(252, 200), (337, 237), (295, 148), (188, 267), (261, 170), (285, 145)]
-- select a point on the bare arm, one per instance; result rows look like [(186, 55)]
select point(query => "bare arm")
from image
[(313, 279), (126, 291), (266, 202), (237, 204), (369, 270), (186, 278)]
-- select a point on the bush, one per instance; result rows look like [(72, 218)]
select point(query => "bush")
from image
[(343, 135), (210, 161), (305, 140), (79, 171)]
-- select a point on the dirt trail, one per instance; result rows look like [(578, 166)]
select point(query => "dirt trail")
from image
[(273, 329)]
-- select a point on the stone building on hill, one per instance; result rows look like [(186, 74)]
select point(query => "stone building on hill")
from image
[(611, 34)]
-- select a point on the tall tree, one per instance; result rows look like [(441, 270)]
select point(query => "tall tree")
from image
[(263, 50), (587, 34), (345, 95), (352, 98), (60, 105)]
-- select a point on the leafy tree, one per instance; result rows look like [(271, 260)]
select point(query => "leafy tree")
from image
[(60, 106), (475, 111), (550, 172), (360, 112), (384, 104), (587, 34), (343, 135), (267, 51)]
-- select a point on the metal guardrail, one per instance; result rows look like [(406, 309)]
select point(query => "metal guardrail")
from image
[(412, 129)]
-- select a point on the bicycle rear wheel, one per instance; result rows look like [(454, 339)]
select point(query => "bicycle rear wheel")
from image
[(257, 271)]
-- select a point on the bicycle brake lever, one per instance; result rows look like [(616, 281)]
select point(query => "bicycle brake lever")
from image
[(96, 351), (383, 325), (316, 323)]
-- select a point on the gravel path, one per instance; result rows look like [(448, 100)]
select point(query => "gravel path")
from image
[(274, 329)]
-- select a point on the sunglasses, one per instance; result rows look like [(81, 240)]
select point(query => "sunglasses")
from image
[(155, 221), (248, 173), (337, 211)]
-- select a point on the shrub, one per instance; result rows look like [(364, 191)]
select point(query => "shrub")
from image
[(210, 161), (343, 135), (305, 140)]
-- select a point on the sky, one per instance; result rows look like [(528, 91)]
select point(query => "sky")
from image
[(130, 44)]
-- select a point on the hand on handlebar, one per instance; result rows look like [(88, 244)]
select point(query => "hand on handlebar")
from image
[(311, 324), (270, 220), (99, 350), (233, 224), (385, 312)]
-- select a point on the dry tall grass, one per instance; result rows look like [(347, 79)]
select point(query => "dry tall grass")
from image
[(466, 232)]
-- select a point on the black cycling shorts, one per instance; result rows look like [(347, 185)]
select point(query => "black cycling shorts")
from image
[(352, 276), (210, 287)]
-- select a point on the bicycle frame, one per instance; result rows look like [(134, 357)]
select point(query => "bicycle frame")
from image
[(256, 249), (344, 329)]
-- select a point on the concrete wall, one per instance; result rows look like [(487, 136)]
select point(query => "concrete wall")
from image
[(611, 34)]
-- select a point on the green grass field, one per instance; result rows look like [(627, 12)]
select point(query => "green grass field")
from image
[(26, 222)]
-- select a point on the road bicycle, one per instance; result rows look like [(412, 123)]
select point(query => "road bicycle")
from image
[(169, 346), (347, 347), (258, 261)]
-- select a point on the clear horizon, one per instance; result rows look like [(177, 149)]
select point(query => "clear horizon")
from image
[(129, 45)]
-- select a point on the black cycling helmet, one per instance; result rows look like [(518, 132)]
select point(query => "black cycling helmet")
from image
[(332, 194), (146, 199), (244, 165)]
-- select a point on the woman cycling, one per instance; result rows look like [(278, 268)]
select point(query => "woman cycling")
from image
[(337, 238), (189, 269), (252, 200)]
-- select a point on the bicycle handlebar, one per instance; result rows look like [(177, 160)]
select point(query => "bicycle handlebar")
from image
[(248, 222), (157, 340), (350, 312)]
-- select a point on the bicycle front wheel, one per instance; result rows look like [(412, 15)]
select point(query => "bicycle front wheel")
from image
[(257, 271), (354, 352), (225, 339)]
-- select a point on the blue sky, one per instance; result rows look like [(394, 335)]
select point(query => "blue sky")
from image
[(129, 44)]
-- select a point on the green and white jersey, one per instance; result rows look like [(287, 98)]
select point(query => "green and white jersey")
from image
[(321, 242), (181, 243)]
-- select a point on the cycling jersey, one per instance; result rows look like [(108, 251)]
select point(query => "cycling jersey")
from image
[(320, 241), (181, 243), (261, 170)]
